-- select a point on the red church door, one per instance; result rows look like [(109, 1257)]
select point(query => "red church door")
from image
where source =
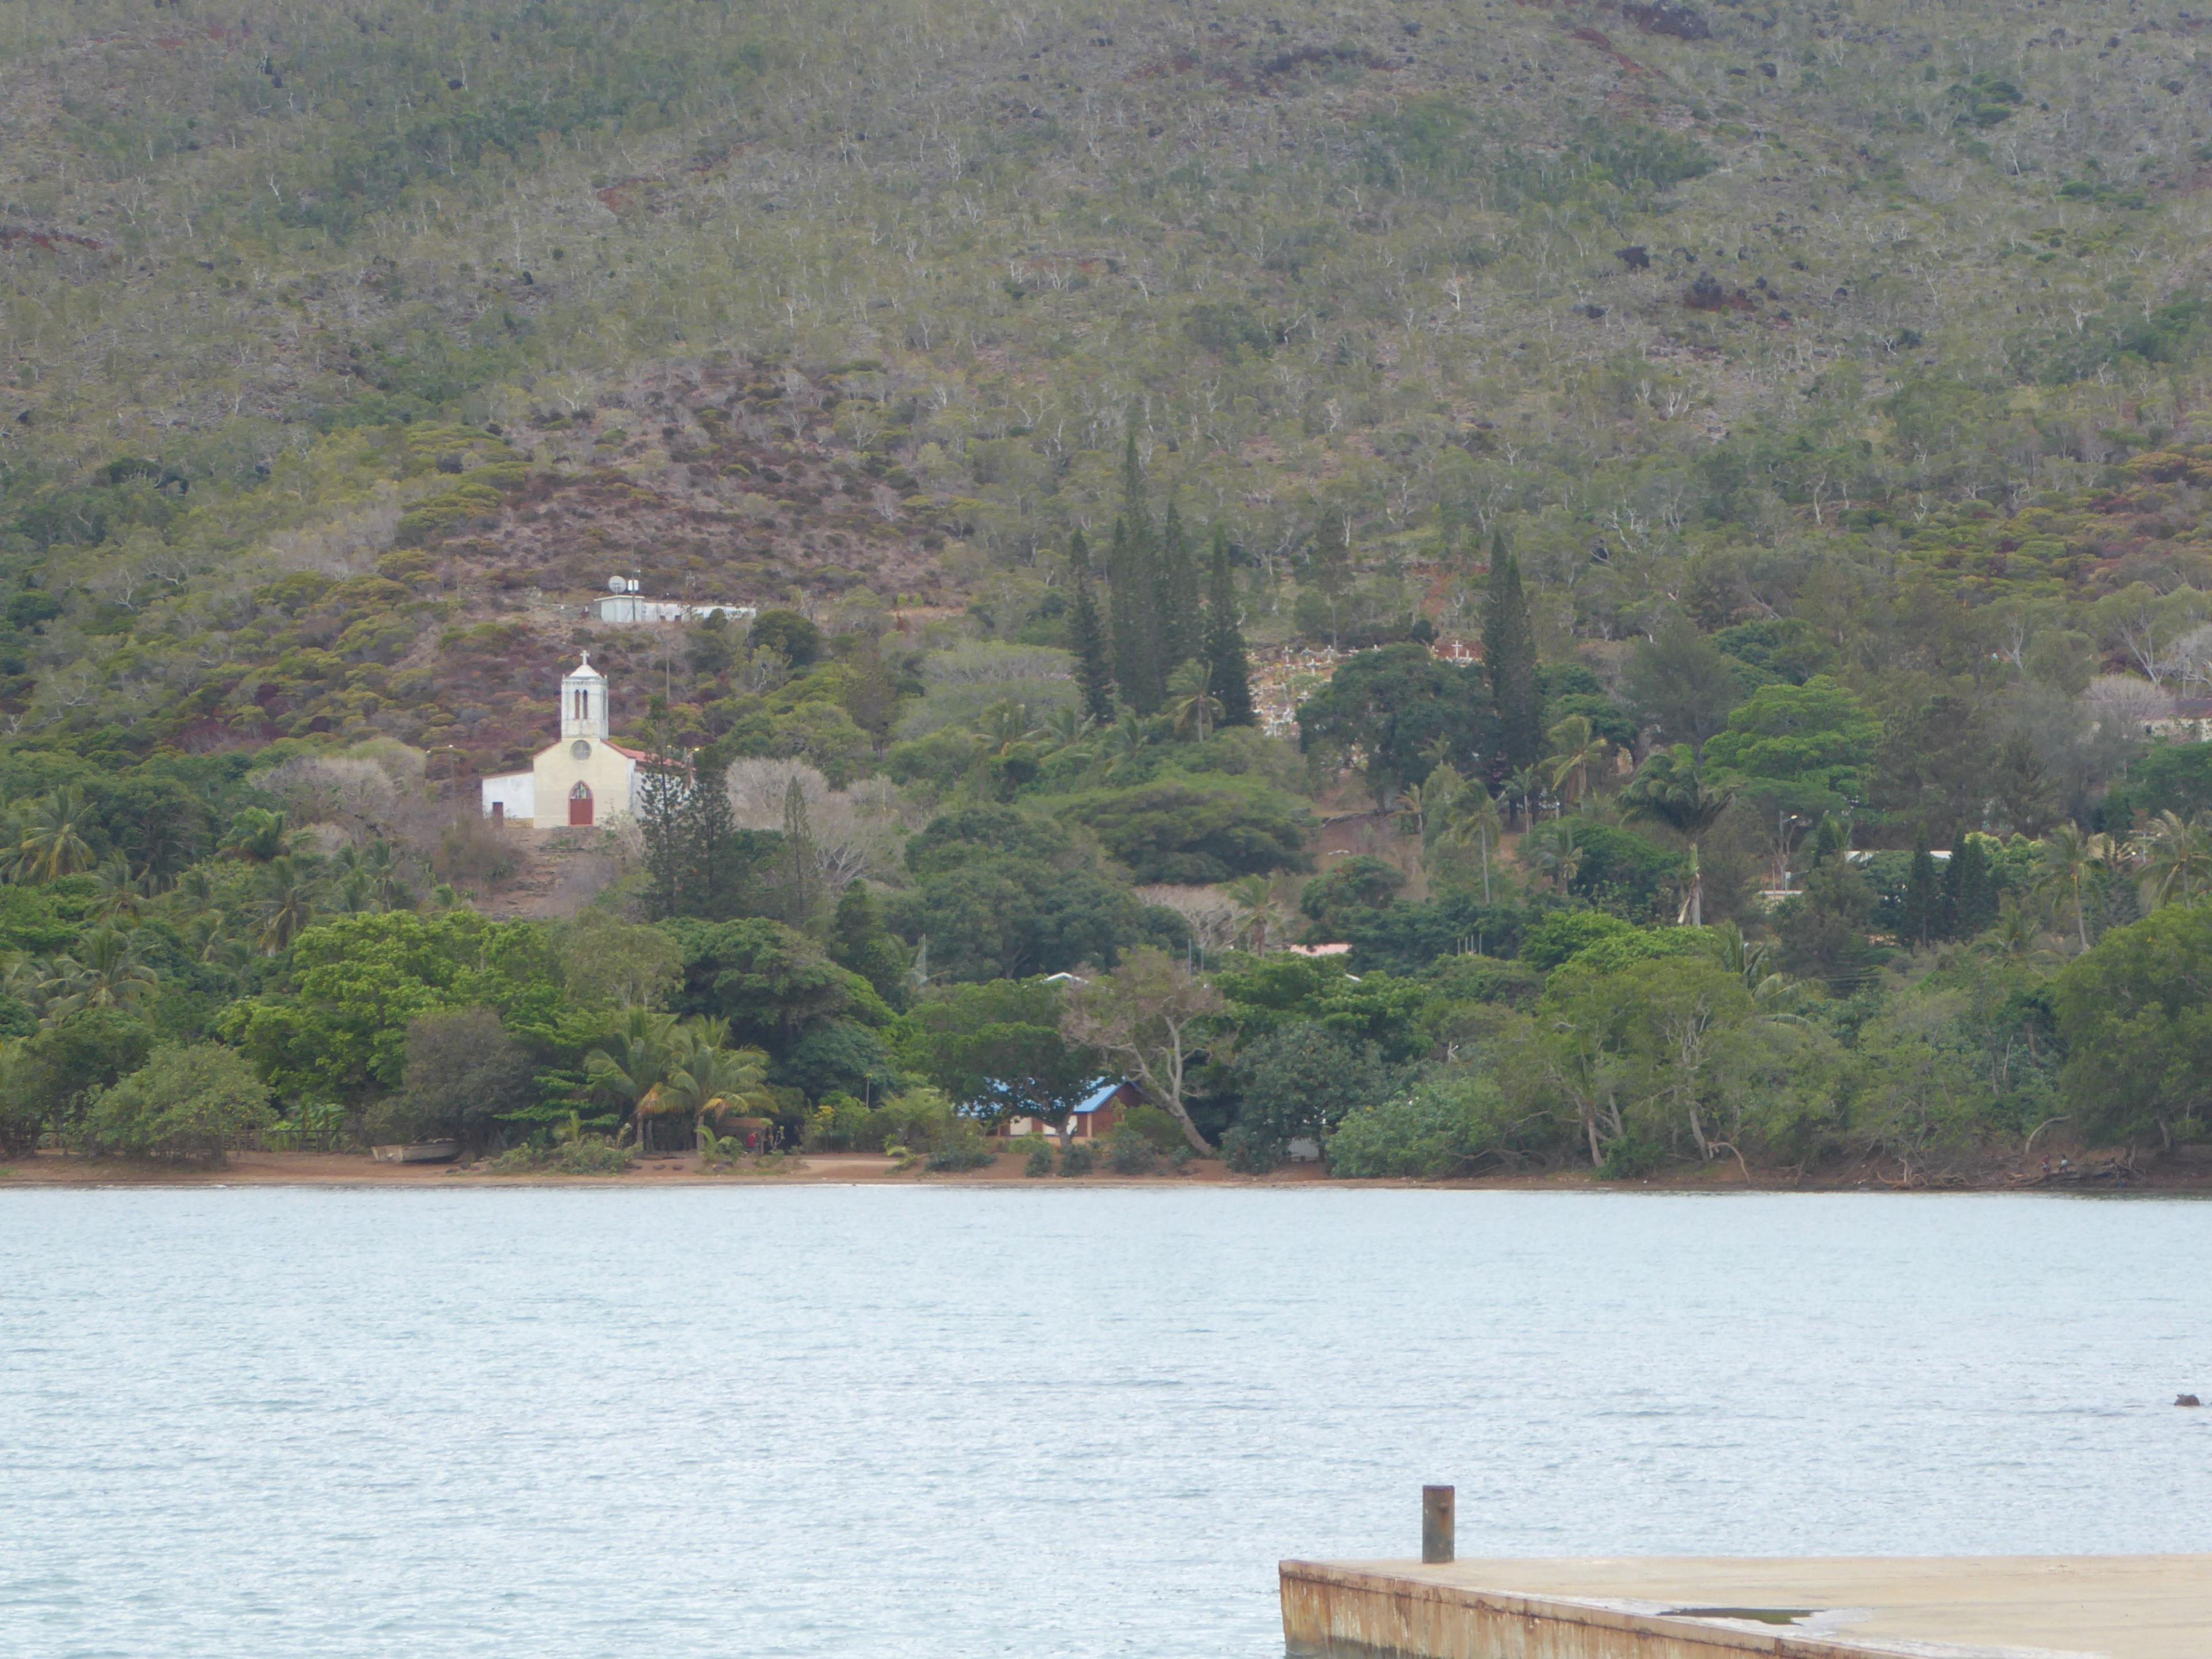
[(580, 807)]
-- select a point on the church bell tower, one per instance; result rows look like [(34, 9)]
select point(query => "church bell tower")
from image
[(584, 703)]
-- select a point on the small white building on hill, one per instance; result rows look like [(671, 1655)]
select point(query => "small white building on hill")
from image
[(624, 604), (584, 781)]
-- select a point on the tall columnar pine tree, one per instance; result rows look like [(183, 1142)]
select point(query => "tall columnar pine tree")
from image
[(1970, 891), (1508, 656), (1134, 569), (1129, 600), (800, 880), (1181, 634), (715, 863), (1231, 673), (1919, 912), (660, 824), (1086, 636)]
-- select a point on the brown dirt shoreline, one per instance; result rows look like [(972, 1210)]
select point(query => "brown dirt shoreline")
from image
[(53, 1170)]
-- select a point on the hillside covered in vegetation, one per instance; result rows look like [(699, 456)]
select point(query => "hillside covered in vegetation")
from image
[(1533, 494)]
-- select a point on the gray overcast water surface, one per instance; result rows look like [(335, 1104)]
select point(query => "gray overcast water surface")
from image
[(271, 1423)]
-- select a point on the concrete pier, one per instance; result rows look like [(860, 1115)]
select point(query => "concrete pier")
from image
[(2122, 1606)]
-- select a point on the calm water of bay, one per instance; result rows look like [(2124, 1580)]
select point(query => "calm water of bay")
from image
[(953, 1423)]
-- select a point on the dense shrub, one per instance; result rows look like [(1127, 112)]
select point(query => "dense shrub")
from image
[(1158, 1127), (1130, 1152), (960, 1147), (1441, 1129), (463, 1074), (1193, 831), (187, 1103), (1298, 1083)]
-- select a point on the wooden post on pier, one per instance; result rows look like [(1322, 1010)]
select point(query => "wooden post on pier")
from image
[(1437, 1519)]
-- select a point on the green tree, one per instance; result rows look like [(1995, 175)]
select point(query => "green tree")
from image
[(787, 634), (2070, 857), (1508, 658), (1392, 706), (1471, 820), (1679, 682), (1086, 631), (1802, 749), (1576, 748), (628, 1061), (338, 1030), (617, 964), (1297, 1082), (1192, 708), (859, 941), (1920, 913), (2138, 1029), (49, 840), (661, 822), (2175, 858), (461, 1076), (770, 983), (1823, 929), (1444, 1126), (1969, 901), (997, 1051), (799, 872), (52, 1073), (1670, 789), (1226, 656), (1196, 830), (104, 971), (1175, 577), (1148, 1017), (189, 1103)]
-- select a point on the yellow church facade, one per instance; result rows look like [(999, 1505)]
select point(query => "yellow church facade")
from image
[(586, 780)]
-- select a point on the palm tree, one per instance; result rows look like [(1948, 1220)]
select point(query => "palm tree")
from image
[(121, 894), (1575, 747), (1192, 705), (2070, 855), (104, 973), (288, 893), (1421, 807), (711, 1082), (1067, 727), (2175, 857), (379, 862), (214, 943), (1772, 992), (258, 835), (2018, 934), (1554, 848), (1128, 741), (1473, 818), (51, 843), (630, 1061), (1670, 790), (1256, 908), (1005, 724), (1520, 791)]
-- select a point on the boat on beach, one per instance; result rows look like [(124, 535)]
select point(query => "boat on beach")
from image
[(420, 1151)]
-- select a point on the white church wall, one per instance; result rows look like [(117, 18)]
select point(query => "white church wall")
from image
[(512, 796)]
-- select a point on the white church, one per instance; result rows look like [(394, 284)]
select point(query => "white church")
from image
[(585, 779)]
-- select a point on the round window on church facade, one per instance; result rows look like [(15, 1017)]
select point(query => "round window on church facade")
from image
[(580, 750)]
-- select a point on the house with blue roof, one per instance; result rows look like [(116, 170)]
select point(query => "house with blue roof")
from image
[(1105, 1102)]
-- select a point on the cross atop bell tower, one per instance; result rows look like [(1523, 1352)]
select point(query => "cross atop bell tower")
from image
[(584, 702)]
